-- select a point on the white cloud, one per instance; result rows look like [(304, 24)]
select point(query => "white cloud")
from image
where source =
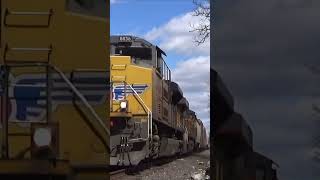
[(114, 1), (193, 75), (175, 35)]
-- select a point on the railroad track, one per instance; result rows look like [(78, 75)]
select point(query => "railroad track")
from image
[(117, 174), (134, 171)]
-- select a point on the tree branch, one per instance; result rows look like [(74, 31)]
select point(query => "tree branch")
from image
[(202, 10)]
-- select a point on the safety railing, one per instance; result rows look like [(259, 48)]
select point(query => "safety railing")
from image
[(79, 95), (83, 99), (166, 72), (148, 111), (102, 125), (77, 104), (145, 107)]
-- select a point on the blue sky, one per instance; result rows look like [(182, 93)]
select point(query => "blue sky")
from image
[(140, 16), (167, 23), (143, 15)]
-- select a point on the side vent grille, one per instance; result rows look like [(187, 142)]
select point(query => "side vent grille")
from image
[(165, 112), (159, 108)]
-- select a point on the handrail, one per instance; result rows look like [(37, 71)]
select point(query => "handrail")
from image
[(28, 13), (30, 49), (89, 70), (149, 112), (28, 85), (83, 99), (75, 91), (8, 49)]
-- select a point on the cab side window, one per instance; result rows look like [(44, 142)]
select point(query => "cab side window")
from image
[(163, 68), (88, 7), (140, 56), (159, 64)]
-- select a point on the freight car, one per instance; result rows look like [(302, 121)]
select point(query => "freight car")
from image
[(191, 126), (149, 116), (201, 140), (53, 90), (265, 168), (233, 152), (198, 137)]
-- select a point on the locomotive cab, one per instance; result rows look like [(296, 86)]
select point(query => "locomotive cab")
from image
[(141, 52)]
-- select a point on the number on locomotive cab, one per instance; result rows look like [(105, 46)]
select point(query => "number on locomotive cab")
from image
[(125, 38)]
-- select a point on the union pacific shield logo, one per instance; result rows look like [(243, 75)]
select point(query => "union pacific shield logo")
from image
[(120, 90), (27, 93)]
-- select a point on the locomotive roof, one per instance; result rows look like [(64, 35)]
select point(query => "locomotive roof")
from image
[(261, 160), (176, 87), (190, 112), (177, 92), (199, 121), (184, 101), (129, 40), (221, 89)]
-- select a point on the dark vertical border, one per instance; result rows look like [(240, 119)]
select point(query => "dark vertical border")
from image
[(108, 82), (212, 170), (1, 23)]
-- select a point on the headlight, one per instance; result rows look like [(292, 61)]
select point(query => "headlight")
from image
[(123, 105), (42, 137)]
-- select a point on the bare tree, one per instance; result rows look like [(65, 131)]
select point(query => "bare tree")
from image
[(202, 10)]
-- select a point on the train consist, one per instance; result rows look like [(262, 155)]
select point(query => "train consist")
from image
[(234, 156), (149, 116), (53, 90)]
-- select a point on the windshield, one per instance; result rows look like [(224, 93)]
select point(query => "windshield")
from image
[(139, 55)]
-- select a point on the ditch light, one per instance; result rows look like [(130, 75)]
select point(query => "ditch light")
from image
[(44, 141), (124, 106)]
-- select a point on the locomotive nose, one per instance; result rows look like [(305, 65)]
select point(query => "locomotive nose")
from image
[(126, 151)]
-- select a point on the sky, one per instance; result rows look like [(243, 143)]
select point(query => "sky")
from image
[(263, 51), (167, 24)]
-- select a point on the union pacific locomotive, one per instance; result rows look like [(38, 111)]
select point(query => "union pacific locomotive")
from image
[(53, 89), (149, 116)]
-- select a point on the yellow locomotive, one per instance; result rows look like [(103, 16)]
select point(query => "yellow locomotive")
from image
[(53, 89), (149, 116)]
